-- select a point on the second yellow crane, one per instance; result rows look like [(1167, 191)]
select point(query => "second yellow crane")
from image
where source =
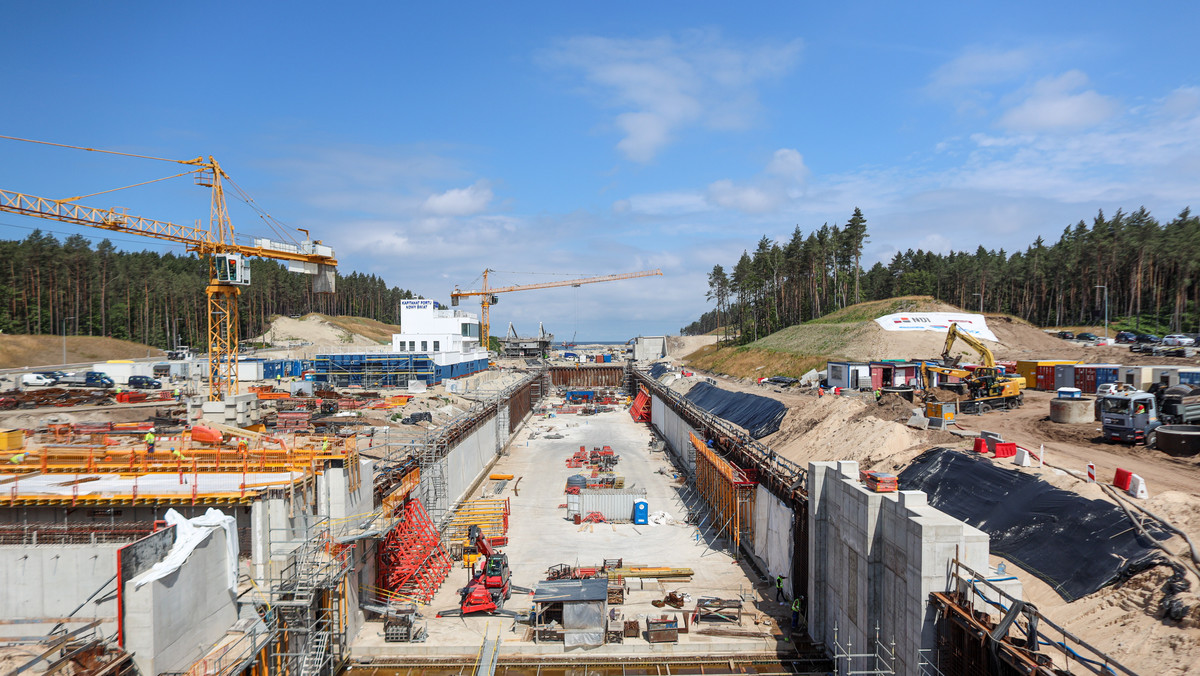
[(488, 294)]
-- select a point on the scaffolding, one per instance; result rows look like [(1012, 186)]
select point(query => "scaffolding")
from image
[(881, 661), (308, 602), (413, 564), (375, 370), (729, 492)]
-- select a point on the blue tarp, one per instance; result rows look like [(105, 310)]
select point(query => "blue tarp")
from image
[(757, 415), (1074, 544)]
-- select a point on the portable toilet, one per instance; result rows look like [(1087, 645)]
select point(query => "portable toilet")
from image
[(641, 512), (1064, 376)]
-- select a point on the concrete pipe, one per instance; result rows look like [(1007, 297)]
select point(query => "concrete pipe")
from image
[(1071, 411), (905, 391), (1178, 439)]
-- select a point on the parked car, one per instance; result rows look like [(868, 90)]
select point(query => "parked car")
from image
[(53, 375), (1090, 337), (144, 383), (1066, 335), (1178, 339), (1146, 338), (1126, 337), (36, 379)]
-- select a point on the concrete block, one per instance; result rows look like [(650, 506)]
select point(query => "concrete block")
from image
[(937, 423), (848, 468), (913, 499), (1137, 487), (1021, 459), (918, 422)]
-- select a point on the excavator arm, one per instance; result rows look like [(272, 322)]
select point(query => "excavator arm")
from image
[(954, 333)]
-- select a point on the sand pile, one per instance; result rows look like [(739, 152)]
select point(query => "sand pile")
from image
[(310, 329), (847, 428)]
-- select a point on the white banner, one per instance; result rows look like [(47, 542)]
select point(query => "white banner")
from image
[(976, 325)]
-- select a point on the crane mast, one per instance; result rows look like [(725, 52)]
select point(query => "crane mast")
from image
[(226, 269), (488, 294)]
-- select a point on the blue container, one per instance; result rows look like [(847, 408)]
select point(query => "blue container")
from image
[(607, 358), (1189, 377), (641, 512)]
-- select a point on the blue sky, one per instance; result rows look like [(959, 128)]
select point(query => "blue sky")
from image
[(425, 142)]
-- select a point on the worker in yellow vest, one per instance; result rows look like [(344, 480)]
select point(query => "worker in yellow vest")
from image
[(149, 439), (325, 446)]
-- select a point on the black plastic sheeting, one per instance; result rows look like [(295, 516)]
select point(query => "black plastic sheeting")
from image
[(657, 370), (757, 415), (1074, 544)]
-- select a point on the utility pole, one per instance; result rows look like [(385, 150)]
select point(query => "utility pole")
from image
[(64, 334), (1102, 286)]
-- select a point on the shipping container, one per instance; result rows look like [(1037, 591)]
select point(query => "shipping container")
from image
[(1189, 377), (1090, 376), (1064, 376), (848, 374), (1140, 377), (615, 504), (1039, 373)]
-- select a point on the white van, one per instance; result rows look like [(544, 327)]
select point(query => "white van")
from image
[(30, 379)]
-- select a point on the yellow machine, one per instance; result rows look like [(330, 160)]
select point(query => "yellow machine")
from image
[(986, 387)]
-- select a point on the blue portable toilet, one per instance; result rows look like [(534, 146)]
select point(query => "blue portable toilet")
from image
[(641, 512)]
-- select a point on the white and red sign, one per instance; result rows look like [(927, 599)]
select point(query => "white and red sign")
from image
[(976, 325)]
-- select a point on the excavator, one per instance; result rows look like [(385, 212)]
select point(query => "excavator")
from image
[(488, 589), (986, 386)]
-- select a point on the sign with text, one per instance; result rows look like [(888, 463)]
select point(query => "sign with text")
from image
[(976, 325)]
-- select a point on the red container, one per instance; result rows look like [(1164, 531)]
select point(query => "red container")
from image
[(1122, 479), (578, 519), (1006, 449), (980, 445), (1045, 378)]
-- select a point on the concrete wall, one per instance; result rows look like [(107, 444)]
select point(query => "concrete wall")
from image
[(874, 558), (773, 538), (466, 463), (171, 622), (52, 580), (676, 433), (649, 347), (339, 502)]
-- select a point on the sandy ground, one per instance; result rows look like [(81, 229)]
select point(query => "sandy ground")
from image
[(680, 347), (310, 329)]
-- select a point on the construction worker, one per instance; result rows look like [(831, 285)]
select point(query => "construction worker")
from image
[(779, 588), (325, 446), (820, 392), (178, 453), (177, 394), (878, 394), (149, 439), (242, 447), (18, 458), (796, 604)]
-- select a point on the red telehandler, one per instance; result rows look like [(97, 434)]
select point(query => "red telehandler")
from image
[(488, 589)]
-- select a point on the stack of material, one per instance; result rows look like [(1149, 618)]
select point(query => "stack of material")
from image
[(293, 421), (879, 482)]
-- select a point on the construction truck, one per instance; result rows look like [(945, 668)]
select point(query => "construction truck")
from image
[(487, 590), (986, 387), (1132, 417)]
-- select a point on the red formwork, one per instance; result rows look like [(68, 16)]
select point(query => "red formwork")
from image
[(640, 410), (412, 560)]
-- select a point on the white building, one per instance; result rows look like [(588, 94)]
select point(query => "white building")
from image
[(449, 337)]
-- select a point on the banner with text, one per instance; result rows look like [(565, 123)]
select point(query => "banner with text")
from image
[(976, 325)]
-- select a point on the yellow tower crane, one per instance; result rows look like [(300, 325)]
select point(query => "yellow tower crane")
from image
[(488, 294), (227, 272)]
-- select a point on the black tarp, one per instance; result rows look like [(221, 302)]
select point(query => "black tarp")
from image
[(657, 370), (1074, 544), (757, 415)]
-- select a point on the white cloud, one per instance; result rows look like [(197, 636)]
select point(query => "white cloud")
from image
[(781, 182), (980, 67), (1055, 103), (666, 84), (460, 201), (1181, 102)]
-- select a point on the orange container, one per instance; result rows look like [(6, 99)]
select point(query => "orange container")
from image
[(205, 435)]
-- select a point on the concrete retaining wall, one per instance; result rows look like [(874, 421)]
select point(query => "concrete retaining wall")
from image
[(171, 622), (676, 432), (773, 538), (52, 580), (874, 558)]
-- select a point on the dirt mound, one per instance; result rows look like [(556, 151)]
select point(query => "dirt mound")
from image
[(852, 428), (313, 329), (19, 351)]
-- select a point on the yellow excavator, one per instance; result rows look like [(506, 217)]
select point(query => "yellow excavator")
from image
[(986, 387)]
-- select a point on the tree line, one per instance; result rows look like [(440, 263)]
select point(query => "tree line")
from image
[(48, 287), (1150, 271)]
